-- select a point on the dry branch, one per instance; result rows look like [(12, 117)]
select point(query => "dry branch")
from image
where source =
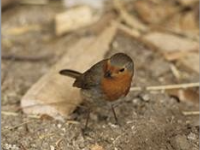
[(187, 113), (166, 87)]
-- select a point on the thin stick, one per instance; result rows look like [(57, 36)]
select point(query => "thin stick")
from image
[(187, 113), (87, 119), (17, 126), (22, 146), (35, 2), (58, 143), (7, 113), (166, 87), (14, 57)]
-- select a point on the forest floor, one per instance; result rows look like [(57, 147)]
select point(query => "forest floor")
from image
[(148, 120)]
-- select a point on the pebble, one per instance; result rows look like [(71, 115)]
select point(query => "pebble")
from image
[(182, 142), (146, 97), (192, 136), (11, 147), (59, 125), (113, 125), (63, 129), (135, 100), (52, 148)]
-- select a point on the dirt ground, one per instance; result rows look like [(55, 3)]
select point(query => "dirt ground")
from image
[(147, 120)]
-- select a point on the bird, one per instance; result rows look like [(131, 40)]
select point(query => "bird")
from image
[(107, 80)]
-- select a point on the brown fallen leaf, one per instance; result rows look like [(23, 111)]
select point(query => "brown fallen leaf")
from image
[(184, 23), (178, 54), (191, 61), (189, 22), (167, 43), (45, 117), (186, 95), (177, 48)]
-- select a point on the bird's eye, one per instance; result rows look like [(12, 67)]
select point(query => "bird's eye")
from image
[(121, 70)]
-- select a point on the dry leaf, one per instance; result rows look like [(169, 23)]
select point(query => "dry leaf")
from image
[(186, 95), (166, 42), (178, 54), (191, 61), (184, 22)]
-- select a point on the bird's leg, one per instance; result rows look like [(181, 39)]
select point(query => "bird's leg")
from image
[(87, 119), (115, 116)]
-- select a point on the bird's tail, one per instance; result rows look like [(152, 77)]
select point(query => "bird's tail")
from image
[(70, 73)]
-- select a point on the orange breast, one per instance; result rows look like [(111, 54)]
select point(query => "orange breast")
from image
[(114, 88)]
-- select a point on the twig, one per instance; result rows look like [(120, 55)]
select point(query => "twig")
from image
[(166, 87), (128, 30), (58, 143), (35, 2), (17, 126), (43, 136), (175, 71), (19, 30), (187, 113), (72, 122), (7, 113), (177, 32), (14, 57), (22, 146)]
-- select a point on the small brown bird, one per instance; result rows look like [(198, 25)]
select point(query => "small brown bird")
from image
[(107, 80)]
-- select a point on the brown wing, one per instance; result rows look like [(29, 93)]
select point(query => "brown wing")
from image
[(91, 77)]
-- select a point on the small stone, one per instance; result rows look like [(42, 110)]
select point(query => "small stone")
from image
[(115, 44), (59, 125), (191, 136), (52, 148), (135, 100), (182, 142), (7, 146), (113, 125), (63, 129), (146, 97)]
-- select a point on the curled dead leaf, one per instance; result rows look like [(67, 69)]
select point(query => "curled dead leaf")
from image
[(186, 95)]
